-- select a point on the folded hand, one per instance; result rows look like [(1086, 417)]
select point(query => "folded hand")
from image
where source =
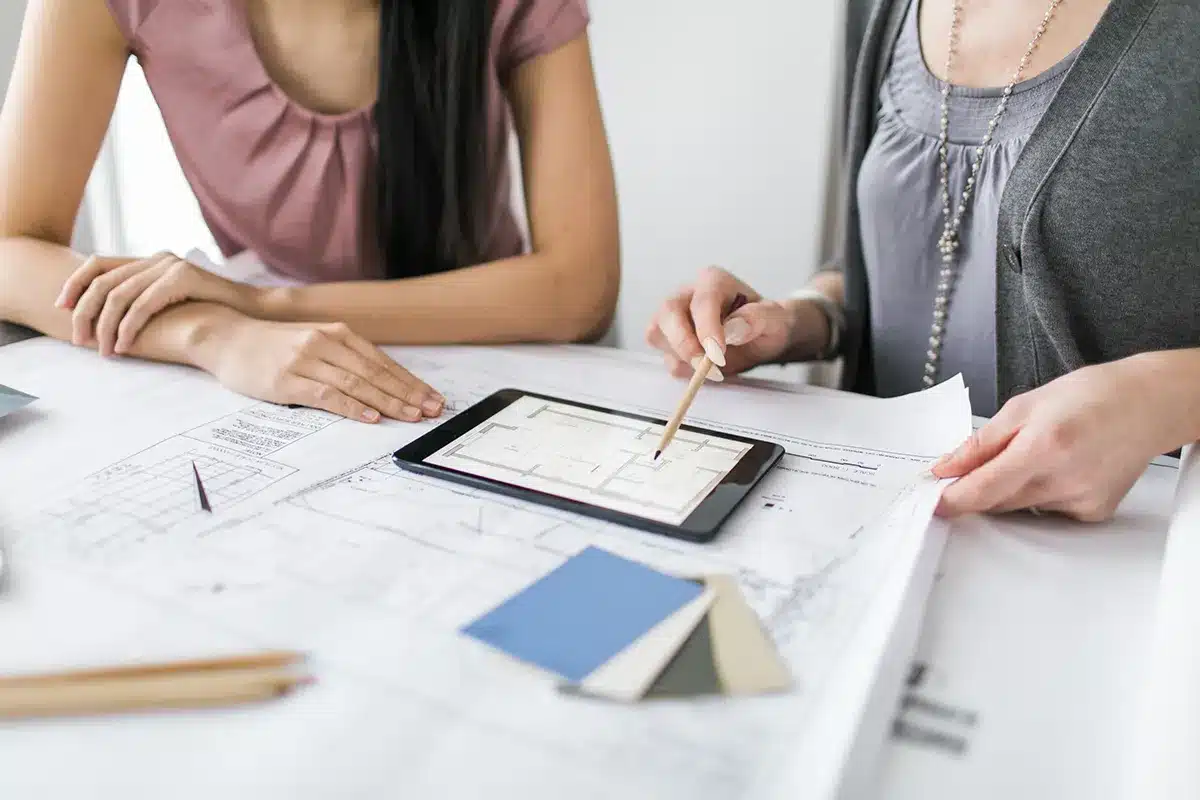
[(113, 299)]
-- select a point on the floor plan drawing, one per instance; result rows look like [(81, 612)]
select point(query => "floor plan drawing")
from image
[(591, 456)]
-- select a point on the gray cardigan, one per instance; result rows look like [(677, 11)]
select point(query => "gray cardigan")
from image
[(1098, 246)]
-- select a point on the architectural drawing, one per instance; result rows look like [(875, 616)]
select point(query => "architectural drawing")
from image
[(598, 458), (318, 542)]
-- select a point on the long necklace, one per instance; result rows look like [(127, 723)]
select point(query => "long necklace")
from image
[(949, 241)]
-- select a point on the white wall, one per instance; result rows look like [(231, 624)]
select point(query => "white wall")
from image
[(158, 209), (718, 113)]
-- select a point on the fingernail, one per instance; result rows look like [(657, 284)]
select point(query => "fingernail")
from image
[(439, 397), (432, 406), (714, 351), (737, 331), (412, 412), (714, 374), (370, 415)]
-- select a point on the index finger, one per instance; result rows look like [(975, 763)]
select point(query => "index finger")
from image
[(419, 392)]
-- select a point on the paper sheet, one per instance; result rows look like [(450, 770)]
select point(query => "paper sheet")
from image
[(1032, 654), (319, 542), (1166, 747)]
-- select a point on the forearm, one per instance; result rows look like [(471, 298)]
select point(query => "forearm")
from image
[(1176, 373), (32, 273), (532, 298)]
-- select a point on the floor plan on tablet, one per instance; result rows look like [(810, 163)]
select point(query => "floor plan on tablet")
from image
[(594, 457)]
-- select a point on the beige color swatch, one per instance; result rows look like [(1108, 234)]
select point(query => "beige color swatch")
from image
[(744, 655)]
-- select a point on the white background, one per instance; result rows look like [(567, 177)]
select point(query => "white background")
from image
[(718, 114)]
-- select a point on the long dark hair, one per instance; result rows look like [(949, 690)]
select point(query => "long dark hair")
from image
[(432, 172)]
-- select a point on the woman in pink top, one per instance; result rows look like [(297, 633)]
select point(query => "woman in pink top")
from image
[(357, 145)]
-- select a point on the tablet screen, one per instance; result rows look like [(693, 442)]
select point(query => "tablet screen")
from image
[(593, 457)]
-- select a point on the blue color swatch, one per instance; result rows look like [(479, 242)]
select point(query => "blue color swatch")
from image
[(11, 400), (579, 616)]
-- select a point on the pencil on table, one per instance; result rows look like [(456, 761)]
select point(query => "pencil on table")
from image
[(701, 374), (267, 660), (219, 682)]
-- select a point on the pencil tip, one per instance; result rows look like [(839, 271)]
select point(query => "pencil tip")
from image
[(657, 453)]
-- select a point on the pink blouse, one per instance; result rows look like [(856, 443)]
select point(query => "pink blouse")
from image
[(281, 180)]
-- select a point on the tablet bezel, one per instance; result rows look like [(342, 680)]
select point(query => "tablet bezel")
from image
[(702, 525)]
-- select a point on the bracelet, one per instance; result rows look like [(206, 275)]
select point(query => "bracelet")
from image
[(833, 315)]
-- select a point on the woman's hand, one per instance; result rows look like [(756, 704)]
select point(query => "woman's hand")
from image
[(1077, 444), (689, 326), (112, 299), (325, 366)]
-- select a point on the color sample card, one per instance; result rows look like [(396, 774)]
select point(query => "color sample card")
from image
[(11, 400), (728, 653), (583, 613)]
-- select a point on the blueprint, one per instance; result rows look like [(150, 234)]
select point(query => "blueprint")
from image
[(318, 542)]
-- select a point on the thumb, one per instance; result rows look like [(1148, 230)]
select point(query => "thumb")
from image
[(982, 446), (746, 324)]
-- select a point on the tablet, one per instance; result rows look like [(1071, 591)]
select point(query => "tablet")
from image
[(594, 461)]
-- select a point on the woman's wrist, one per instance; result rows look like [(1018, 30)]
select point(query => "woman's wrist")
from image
[(205, 332), (1176, 374), (275, 303), (810, 333)]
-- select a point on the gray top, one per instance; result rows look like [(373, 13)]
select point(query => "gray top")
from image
[(899, 199), (1098, 248)]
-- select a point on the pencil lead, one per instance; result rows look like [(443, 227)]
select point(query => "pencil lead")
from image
[(657, 453)]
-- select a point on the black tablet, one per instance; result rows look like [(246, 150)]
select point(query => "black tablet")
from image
[(594, 461)]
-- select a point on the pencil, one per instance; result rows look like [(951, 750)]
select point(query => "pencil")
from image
[(184, 684), (164, 691), (693, 387), (267, 660)]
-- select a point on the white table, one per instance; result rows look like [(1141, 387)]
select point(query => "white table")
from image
[(1022, 686)]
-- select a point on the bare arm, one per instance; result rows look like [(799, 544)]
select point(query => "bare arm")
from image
[(564, 290), (68, 71)]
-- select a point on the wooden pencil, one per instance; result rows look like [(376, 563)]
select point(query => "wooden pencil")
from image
[(161, 691), (702, 369), (268, 659), (684, 404)]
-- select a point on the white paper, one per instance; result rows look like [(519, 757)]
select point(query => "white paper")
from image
[(1032, 654), (318, 542), (1166, 747)]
